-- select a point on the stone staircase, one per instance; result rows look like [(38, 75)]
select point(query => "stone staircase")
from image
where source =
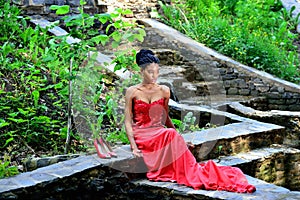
[(254, 146)]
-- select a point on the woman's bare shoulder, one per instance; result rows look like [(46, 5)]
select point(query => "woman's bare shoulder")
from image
[(164, 88), (131, 90)]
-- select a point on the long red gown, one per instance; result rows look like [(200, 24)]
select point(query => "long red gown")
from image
[(168, 158)]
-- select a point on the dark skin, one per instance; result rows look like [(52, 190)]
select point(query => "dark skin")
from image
[(147, 91)]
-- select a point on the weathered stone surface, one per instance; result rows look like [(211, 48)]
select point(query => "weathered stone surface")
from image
[(269, 164), (288, 119), (263, 191)]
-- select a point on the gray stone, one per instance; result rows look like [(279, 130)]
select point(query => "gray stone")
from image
[(232, 91), (262, 88), (50, 2), (242, 83), (60, 2), (74, 3), (37, 3), (18, 2), (244, 92)]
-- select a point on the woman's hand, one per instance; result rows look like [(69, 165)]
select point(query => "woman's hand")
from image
[(137, 153), (190, 145)]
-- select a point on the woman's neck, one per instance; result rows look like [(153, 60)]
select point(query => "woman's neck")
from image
[(148, 85)]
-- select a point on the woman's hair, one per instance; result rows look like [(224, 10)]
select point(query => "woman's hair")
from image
[(145, 57)]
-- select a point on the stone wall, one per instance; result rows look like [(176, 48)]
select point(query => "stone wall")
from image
[(280, 95), (140, 8), (280, 168)]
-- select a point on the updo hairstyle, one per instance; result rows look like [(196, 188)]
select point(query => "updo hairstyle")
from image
[(145, 57)]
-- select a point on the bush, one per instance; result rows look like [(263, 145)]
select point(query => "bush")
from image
[(35, 73)]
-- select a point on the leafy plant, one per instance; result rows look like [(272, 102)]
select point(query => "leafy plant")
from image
[(35, 76), (187, 124), (6, 170), (93, 109)]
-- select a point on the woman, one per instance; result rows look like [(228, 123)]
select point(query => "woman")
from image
[(152, 136)]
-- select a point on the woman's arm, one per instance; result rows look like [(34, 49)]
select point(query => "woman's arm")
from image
[(128, 121), (169, 122), (166, 91)]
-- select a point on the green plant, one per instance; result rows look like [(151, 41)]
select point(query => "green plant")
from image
[(125, 60), (187, 124), (35, 76), (5, 169)]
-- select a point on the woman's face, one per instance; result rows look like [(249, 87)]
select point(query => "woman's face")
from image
[(150, 73)]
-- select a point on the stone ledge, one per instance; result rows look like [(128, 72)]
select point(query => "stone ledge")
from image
[(57, 31), (264, 191), (240, 136), (250, 112), (52, 173), (276, 164), (257, 154)]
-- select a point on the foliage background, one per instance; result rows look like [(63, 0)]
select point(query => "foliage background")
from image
[(35, 75)]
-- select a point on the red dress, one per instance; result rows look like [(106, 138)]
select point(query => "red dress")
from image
[(168, 159)]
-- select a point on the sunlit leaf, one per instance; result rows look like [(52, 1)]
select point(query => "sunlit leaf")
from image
[(127, 12), (60, 10)]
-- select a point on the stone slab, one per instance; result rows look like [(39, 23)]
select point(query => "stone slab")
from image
[(52, 173), (257, 154), (264, 191), (229, 131)]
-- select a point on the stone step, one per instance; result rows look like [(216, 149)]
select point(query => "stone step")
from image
[(186, 89), (289, 119), (218, 101), (277, 164), (264, 190), (234, 138), (57, 31), (232, 134)]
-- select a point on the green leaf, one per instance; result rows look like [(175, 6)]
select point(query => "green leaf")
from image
[(127, 12), (42, 119), (74, 17), (58, 85), (13, 114), (54, 7), (23, 111), (103, 18), (117, 67), (114, 15), (7, 142), (142, 32), (131, 38), (118, 24), (60, 10), (117, 36), (139, 37), (2, 124), (92, 32), (17, 120), (115, 44), (82, 2), (100, 38), (36, 96)]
